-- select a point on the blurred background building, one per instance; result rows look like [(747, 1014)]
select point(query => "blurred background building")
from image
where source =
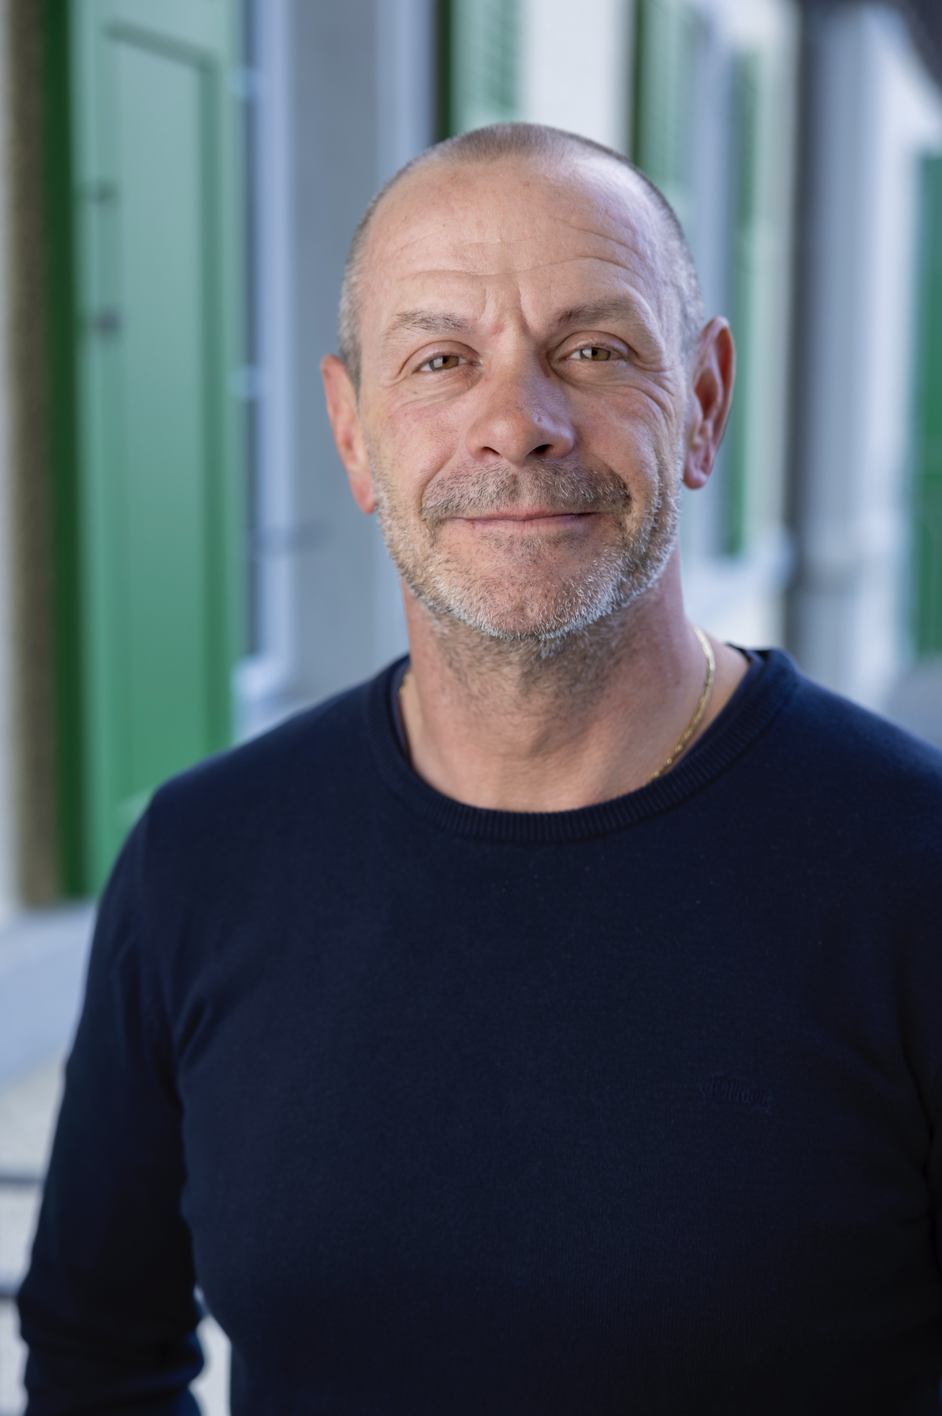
[(181, 564)]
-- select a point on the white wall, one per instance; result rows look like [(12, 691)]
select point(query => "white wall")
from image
[(575, 62), (877, 111)]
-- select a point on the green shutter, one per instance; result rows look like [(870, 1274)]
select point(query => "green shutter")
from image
[(928, 439), (158, 214), (480, 49), (666, 41), (665, 48)]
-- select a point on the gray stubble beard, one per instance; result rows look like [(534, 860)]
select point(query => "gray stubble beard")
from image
[(578, 612)]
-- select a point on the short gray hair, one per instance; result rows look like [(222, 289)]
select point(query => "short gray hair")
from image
[(490, 144)]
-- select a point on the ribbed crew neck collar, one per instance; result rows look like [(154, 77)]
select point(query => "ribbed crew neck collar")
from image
[(748, 718)]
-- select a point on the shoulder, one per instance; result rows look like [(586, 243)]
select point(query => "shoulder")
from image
[(839, 736), (862, 841), (830, 765), (313, 744), (228, 847), (291, 788)]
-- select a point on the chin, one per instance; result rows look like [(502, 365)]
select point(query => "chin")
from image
[(534, 612), (534, 593)]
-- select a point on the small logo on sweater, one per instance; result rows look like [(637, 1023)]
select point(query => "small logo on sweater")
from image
[(731, 1089)]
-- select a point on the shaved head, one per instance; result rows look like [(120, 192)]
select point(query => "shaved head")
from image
[(545, 146)]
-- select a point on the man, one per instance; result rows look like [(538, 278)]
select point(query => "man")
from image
[(551, 1025)]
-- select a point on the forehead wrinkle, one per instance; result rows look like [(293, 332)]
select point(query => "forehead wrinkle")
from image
[(616, 196), (402, 235), (645, 300), (472, 250), (634, 303), (613, 200), (475, 275)]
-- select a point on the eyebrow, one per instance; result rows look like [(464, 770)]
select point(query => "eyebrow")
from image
[(430, 321), (594, 313)]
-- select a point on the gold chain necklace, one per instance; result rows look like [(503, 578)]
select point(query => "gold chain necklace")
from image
[(691, 727), (697, 718)]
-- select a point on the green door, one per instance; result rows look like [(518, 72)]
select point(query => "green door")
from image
[(156, 166), (928, 439)]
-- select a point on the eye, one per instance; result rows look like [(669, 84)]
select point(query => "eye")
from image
[(591, 352), (441, 363)]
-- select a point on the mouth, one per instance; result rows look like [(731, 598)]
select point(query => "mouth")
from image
[(527, 520)]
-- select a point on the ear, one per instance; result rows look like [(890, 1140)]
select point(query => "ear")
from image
[(348, 434), (709, 398)]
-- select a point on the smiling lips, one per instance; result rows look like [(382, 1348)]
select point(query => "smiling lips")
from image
[(524, 518)]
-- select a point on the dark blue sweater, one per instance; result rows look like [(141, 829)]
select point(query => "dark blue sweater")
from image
[(633, 1109)]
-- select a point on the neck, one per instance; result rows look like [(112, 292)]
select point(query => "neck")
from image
[(529, 726)]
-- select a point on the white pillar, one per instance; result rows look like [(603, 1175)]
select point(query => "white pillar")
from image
[(876, 111), (267, 681)]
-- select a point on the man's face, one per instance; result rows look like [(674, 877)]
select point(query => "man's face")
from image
[(523, 392)]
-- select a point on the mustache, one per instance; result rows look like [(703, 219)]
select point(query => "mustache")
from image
[(557, 486)]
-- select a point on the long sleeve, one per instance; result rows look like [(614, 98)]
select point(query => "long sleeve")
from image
[(108, 1307)]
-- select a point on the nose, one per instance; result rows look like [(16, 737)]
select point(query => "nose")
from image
[(518, 415)]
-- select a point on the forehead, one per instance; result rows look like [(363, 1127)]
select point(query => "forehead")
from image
[(579, 226)]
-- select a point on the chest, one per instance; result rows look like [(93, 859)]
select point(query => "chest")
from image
[(545, 1117)]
